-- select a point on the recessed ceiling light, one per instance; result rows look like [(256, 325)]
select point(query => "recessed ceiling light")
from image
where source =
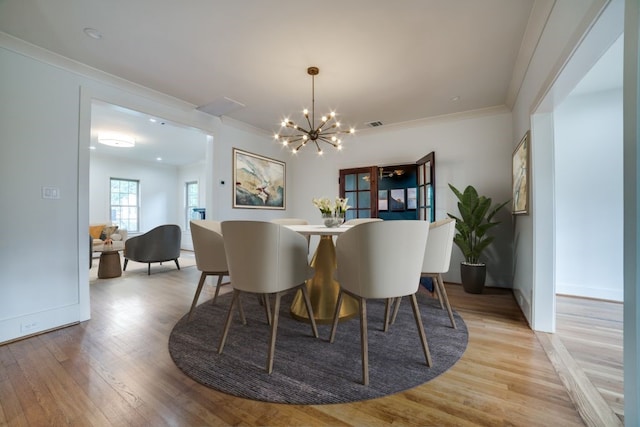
[(152, 120), (455, 99), (159, 159), (92, 147), (116, 140), (93, 33)]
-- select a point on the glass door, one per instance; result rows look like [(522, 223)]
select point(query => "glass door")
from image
[(360, 186)]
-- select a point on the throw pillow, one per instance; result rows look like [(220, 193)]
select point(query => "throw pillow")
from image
[(108, 231), (96, 230)]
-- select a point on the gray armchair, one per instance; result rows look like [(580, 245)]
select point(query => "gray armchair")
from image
[(157, 245)]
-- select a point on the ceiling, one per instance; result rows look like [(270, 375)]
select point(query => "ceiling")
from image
[(379, 60)]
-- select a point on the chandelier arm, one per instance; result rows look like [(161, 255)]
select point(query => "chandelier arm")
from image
[(328, 141), (309, 121), (318, 147)]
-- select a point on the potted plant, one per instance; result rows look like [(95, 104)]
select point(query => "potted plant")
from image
[(476, 218)]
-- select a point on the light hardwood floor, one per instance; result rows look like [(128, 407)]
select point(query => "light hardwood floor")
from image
[(116, 370), (587, 352)]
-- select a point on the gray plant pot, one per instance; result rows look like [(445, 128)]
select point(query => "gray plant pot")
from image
[(473, 277)]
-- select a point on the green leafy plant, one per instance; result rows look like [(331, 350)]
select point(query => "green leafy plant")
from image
[(476, 215)]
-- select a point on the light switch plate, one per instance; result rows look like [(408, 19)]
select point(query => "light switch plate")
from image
[(50, 193)]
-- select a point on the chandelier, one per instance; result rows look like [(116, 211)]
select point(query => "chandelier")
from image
[(327, 130)]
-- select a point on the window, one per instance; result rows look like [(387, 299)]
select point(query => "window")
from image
[(191, 202), (125, 203)]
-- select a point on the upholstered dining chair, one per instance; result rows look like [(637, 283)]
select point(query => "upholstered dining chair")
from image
[(211, 259), (265, 258), (381, 260), (437, 258), (356, 221), (293, 221)]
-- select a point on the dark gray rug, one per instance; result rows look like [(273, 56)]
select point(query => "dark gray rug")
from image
[(309, 370)]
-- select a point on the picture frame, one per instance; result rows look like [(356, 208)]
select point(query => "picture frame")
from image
[(397, 199), (520, 177), (412, 198), (383, 200), (259, 181)]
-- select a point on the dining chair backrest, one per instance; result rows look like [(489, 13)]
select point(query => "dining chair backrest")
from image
[(382, 259), (208, 245), (264, 257), (290, 221), (356, 221), (437, 255)]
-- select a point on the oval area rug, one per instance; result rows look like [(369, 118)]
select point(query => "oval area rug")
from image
[(310, 370)]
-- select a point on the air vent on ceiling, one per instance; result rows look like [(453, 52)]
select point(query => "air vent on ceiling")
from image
[(374, 124), (221, 106)]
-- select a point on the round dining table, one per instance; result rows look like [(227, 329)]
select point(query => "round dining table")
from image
[(323, 288)]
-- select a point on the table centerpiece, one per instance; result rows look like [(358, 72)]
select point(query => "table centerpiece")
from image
[(332, 213)]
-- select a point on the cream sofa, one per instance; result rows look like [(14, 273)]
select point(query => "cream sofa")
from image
[(118, 237)]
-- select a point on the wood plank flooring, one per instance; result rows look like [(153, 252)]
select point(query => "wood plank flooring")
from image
[(587, 349), (116, 370)]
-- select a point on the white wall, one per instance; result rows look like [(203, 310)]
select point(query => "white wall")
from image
[(533, 233), (474, 148), (39, 135), (589, 199)]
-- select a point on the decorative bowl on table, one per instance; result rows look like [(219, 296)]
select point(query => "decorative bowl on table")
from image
[(332, 220), (332, 213)]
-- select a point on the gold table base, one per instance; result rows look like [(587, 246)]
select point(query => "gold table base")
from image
[(323, 289)]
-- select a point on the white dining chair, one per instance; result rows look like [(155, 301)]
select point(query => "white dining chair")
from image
[(266, 258), (211, 259), (437, 258), (356, 221), (381, 260), (293, 221)]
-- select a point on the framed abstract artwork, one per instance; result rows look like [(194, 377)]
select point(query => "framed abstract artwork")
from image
[(520, 177), (259, 182), (397, 200)]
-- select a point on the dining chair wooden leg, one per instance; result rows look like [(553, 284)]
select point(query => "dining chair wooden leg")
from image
[(227, 322), (437, 290), (445, 299), (423, 337), (264, 298), (364, 342), (203, 277), (218, 285), (336, 315), (387, 313), (307, 302), (396, 308), (274, 330)]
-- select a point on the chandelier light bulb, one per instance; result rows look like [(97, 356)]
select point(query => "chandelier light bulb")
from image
[(333, 114), (305, 112), (305, 137), (324, 118), (337, 124)]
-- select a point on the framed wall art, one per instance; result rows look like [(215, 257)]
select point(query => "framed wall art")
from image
[(383, 200), (397, 200), (259, 182), (520, 177)]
